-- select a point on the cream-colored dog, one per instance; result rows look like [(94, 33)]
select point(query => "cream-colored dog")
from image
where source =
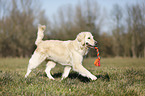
[(67, 53)]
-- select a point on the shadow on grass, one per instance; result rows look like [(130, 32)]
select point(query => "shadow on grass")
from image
[(104, 77), (75, 75)]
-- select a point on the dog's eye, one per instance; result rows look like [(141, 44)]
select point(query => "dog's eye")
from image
[(89, 38)]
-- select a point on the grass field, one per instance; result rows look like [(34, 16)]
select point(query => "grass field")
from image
[(116, 77)]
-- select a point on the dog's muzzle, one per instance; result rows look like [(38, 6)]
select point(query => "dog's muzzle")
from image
[(89, 45)]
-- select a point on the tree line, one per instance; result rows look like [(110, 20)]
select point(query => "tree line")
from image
[(19, 20)]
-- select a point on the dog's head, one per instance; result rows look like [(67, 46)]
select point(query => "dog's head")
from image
[(86, 39)]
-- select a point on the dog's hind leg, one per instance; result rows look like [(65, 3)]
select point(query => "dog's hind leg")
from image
[(49, 66), (34, 61), (66, 72)]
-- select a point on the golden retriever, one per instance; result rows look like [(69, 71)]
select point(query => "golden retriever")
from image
[(67, 53)]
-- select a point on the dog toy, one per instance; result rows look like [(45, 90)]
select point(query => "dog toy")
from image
[(97, 61)]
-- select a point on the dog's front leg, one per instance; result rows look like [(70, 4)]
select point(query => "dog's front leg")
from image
[(84, 72), (77, 66)]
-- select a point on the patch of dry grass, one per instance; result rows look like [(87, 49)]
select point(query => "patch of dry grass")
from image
[(116, 76)]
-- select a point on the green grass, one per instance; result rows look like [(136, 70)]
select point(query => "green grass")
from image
[(116, 77)]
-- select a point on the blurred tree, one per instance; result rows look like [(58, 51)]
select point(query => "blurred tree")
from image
[(106, 45), (18, 31), (143, 28), (62, 25), (136, 26), (19, 20), (118, 29)]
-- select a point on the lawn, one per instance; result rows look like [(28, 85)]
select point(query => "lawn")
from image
[(116, 77)]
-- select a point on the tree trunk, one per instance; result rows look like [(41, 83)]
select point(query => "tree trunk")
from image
[(133, 45), (144, 51)]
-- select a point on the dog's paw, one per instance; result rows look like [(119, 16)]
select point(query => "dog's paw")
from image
[(25, 76), (93, 77), (52, 78), (62, 79)]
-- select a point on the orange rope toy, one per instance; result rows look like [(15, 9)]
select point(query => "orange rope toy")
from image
[(97, 61)]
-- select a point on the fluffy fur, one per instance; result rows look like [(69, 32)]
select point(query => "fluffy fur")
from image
[(67, 53)]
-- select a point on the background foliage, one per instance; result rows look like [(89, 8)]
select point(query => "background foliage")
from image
[(19, 20)]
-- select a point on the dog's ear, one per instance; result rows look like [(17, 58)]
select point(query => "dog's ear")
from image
[(81, 38)]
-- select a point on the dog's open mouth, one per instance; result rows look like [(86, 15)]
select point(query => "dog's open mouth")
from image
[(89, 45)]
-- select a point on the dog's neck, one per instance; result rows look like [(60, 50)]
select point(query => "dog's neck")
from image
[(82, 49)]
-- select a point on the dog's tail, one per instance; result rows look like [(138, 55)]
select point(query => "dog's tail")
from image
[(40, 34)]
